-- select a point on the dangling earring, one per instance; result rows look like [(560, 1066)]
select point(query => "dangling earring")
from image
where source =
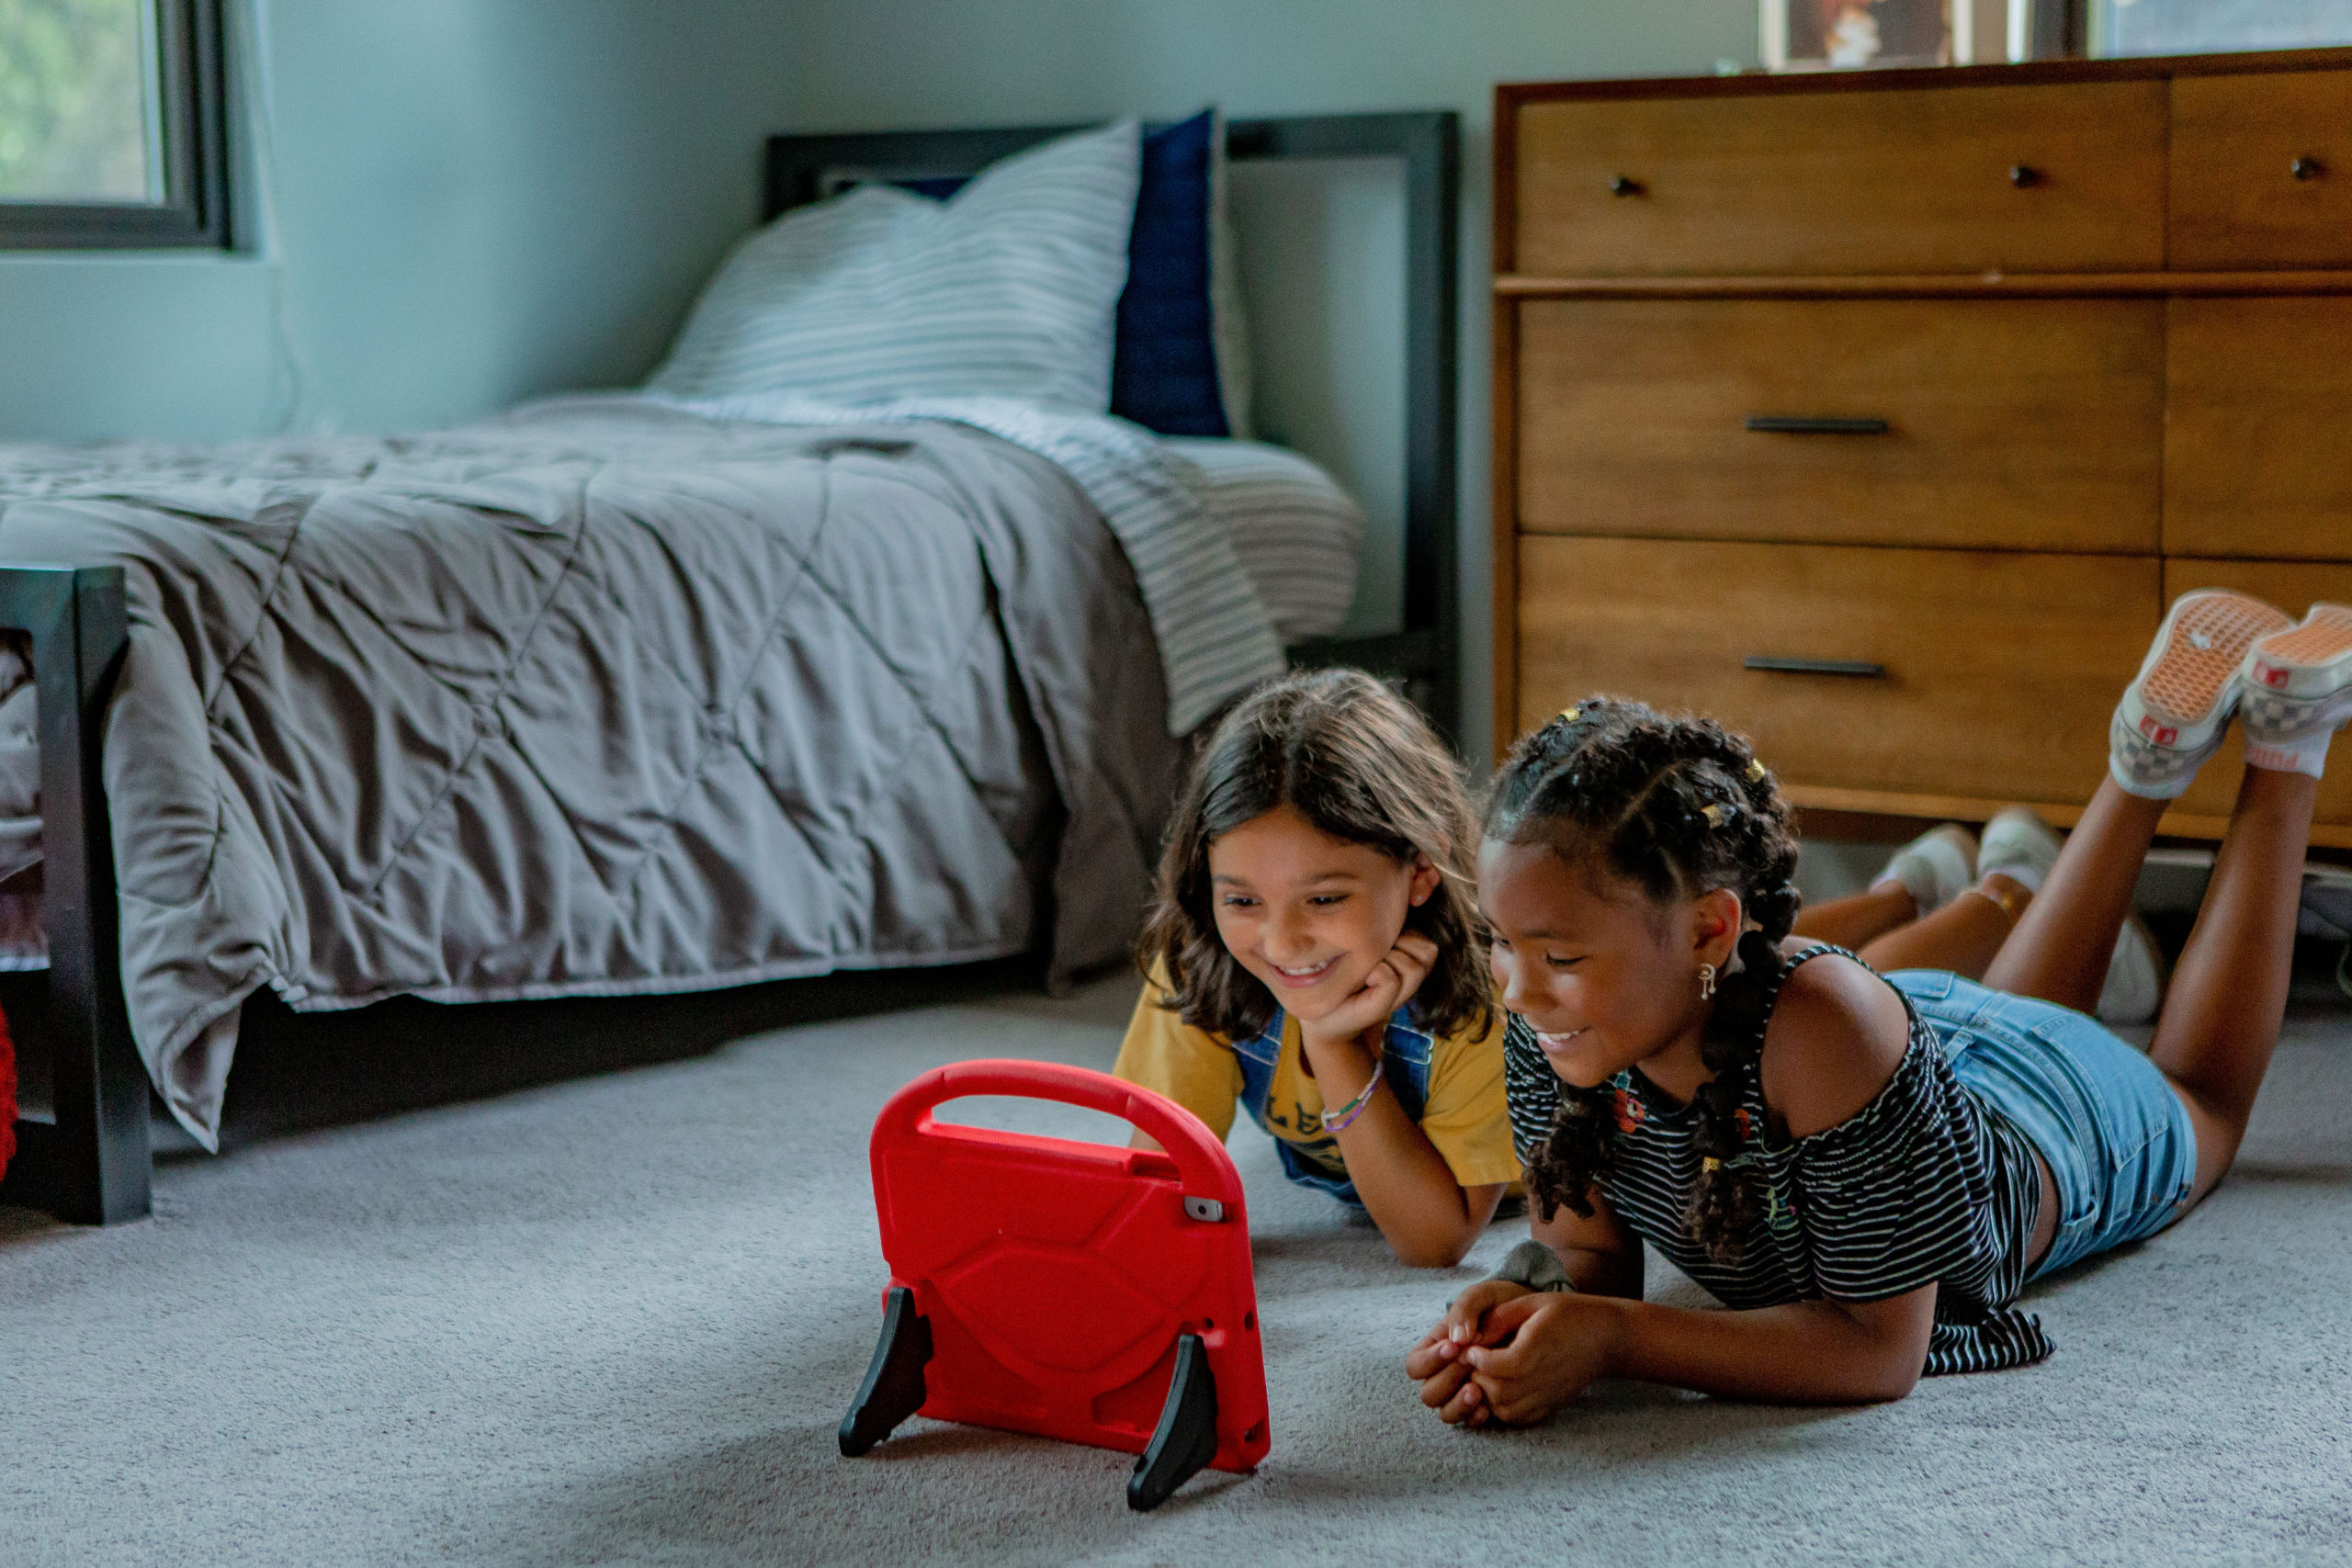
[(1706, 982)]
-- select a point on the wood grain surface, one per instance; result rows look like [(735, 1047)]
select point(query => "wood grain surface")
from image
[(2259, 442), (2000, 669), (2019, 425), (2235, 199), (1845, 183)]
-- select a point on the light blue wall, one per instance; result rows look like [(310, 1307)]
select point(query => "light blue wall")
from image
[(860, 64), (477, 200)]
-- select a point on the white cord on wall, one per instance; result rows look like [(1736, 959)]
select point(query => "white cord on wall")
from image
[(292, 388)]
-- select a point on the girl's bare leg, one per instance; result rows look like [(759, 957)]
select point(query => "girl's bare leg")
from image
[(2229, 992), (1863, 916), (1964, 936), (1885, 927), (2065, 939)]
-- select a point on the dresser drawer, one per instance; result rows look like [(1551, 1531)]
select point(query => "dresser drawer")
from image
[(2258, 447), (1992, 673), (2294, 587), (1844, 182), (1995, 672), (2262, 171), (2012, 423)]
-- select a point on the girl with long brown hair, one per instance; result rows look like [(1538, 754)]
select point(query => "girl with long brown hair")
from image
[(1315, 955)]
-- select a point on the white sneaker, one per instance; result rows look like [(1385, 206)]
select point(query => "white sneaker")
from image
[(2135, 980), (2297, 682), (2174, 712), (1935, 868), (2020, 846)]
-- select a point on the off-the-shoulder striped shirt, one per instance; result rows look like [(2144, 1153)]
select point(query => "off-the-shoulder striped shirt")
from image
[(1924, 1183)]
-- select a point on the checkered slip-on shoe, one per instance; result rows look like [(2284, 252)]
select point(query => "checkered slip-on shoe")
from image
[(2176, 710), (2297, 682)]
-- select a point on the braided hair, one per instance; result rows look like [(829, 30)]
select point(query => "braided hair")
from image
[(1678, 808)]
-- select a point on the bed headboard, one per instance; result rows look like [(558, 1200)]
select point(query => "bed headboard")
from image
[(1426, 653)]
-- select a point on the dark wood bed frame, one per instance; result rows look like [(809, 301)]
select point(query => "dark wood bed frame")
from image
[(87, 1160)]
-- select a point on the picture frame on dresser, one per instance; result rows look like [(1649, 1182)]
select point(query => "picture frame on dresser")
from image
[(1880, 413), (1827, 35)]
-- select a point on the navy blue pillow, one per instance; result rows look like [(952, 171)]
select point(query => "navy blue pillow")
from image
[(1163, 366), (1163, 363)]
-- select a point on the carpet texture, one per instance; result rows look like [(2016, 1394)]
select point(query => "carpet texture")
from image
[(617, 1320)]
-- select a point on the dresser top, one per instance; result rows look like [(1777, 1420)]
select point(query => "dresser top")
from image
[(1756, 83)]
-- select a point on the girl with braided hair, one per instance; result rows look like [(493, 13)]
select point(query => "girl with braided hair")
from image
[(1314, 955), (1866, 1170)]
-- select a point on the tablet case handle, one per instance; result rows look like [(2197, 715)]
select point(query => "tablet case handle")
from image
[(1206, 1169)]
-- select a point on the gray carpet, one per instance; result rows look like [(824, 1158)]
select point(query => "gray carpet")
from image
[(617, 1320)]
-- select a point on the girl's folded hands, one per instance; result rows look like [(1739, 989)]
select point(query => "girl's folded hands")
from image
[(1507, 1355)]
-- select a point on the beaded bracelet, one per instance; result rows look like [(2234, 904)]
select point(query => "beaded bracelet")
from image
[(1339, 1121)]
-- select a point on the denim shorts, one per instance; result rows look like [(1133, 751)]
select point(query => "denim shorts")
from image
[(2117, 1138)]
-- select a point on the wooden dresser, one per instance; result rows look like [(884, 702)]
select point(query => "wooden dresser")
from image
[(1880, 415)]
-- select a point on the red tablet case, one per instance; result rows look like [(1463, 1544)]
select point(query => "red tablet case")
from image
[(1058, 1280)]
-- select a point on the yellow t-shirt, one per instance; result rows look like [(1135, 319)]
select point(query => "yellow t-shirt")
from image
[(1460, 1079)]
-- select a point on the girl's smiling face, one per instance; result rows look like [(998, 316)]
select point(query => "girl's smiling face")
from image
[(1605, 976), (1308, 914)]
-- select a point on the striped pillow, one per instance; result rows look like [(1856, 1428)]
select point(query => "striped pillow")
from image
[(1009, 289)]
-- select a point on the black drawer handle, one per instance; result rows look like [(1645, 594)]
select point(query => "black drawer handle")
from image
[(1619, 185), (1814, 424), (1856, 669), (2025, 176), (2307, 168)]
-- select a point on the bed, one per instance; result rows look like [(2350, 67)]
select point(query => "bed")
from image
[(627, 693)]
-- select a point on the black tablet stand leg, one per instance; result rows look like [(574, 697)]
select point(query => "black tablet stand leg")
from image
[(1186, 1440), (893, 1389)]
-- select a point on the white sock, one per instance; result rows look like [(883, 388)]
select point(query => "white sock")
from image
[(2308, 755)]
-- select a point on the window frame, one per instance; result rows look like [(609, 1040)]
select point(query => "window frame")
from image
[(194, 211)]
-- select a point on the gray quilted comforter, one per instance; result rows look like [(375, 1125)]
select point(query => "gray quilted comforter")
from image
[(598, 698)]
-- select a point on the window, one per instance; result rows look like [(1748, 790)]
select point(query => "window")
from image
[(2216, 27), (111, 128)]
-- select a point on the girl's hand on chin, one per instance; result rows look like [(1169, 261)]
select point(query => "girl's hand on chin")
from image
[(1556, 1344), (1389, 986)]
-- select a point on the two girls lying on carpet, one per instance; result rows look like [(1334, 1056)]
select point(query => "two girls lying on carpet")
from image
[(1865, 1169), (1316, 956)]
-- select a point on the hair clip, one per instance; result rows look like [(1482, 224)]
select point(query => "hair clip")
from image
[(1568, 716), (1756, 770), (1713, 814)]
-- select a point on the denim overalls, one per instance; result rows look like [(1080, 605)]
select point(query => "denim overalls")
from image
[(1406, 1053)]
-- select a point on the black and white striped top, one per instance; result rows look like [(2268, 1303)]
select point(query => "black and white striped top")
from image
[(1924, 1183)]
